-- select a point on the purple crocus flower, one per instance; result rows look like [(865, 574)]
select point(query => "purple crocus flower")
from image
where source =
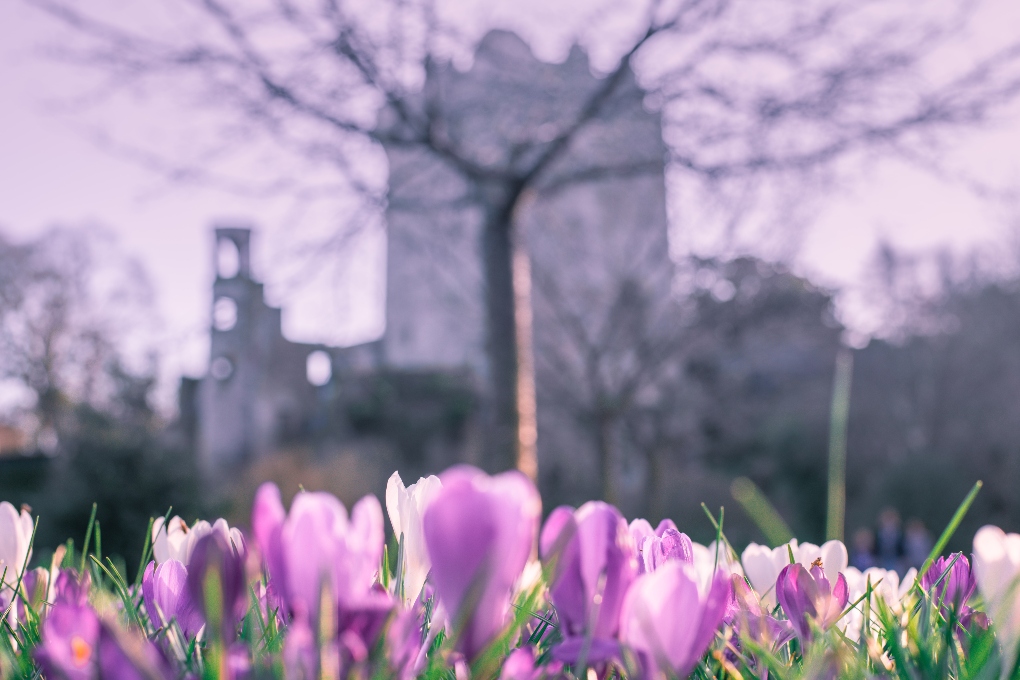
[(957, 587), (593, 554), (269, 603), (69, 642), (217, 563), (360, 626), (479, 532), (300, 651), (316, 545), (239, 666), (70, 588), (669, 622), (267, 519), (520, 665), (750, 621), (126, 655), (35, 585), (404, 653), (316, 554), (640, 529), (672, 545), (166, 597), (808, 598), (648, 540)]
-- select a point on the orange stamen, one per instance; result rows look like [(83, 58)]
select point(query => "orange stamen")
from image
[(81, 651)]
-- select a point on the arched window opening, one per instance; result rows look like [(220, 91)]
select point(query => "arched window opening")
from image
[(228, 259), (224, 314), (221, 368), (319, 368)]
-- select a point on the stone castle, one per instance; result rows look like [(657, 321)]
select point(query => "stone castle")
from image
[(596, 242)]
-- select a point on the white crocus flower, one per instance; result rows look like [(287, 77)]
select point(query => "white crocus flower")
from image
[(885, 584), (15, 543), (179, 542), (997, 572), (406, 507), (529, 578), (706, 563), (763, 564)]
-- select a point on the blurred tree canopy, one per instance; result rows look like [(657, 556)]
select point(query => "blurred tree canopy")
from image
[(746, 393), (72, 308), (933, 409)]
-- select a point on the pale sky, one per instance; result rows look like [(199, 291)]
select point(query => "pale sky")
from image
[(54, 171)]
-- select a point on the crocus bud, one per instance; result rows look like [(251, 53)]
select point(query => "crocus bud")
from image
[(166, 596), (15, 543), (955, 588), (997, 572), (70, 588), (36, 586), (316, 545), (808, 598), (300, 651), (405, 507), (594, 559), (750, 620), (479, 533), (217, 585), (404, 643), (267, 519), (170, 542), (672, 545), (177, 541), (641, 530), (669, 622)]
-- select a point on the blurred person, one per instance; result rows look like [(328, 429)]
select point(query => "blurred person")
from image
[(889, 540), (916, 544), (862, 554)]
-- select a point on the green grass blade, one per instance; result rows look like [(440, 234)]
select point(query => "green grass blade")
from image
[(761, 511), (838, 420), (146, 547), (88, 538), (950, 529)]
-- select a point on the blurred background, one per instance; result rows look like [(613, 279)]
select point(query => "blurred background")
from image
[(617, 245)]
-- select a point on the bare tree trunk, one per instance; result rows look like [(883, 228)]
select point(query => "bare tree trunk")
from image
[(527, 415), (501, 437)]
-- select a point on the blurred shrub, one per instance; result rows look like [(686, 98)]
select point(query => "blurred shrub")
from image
[(348, 473), (127, 471), (424, 416)]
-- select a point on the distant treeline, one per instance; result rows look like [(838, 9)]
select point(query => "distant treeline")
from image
[(742, 388)]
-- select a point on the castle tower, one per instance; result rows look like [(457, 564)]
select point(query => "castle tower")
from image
[(227, 432), (261, 391)]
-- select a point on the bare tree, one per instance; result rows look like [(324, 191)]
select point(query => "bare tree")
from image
[(746, 88), (601, 348), (68, 310)]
